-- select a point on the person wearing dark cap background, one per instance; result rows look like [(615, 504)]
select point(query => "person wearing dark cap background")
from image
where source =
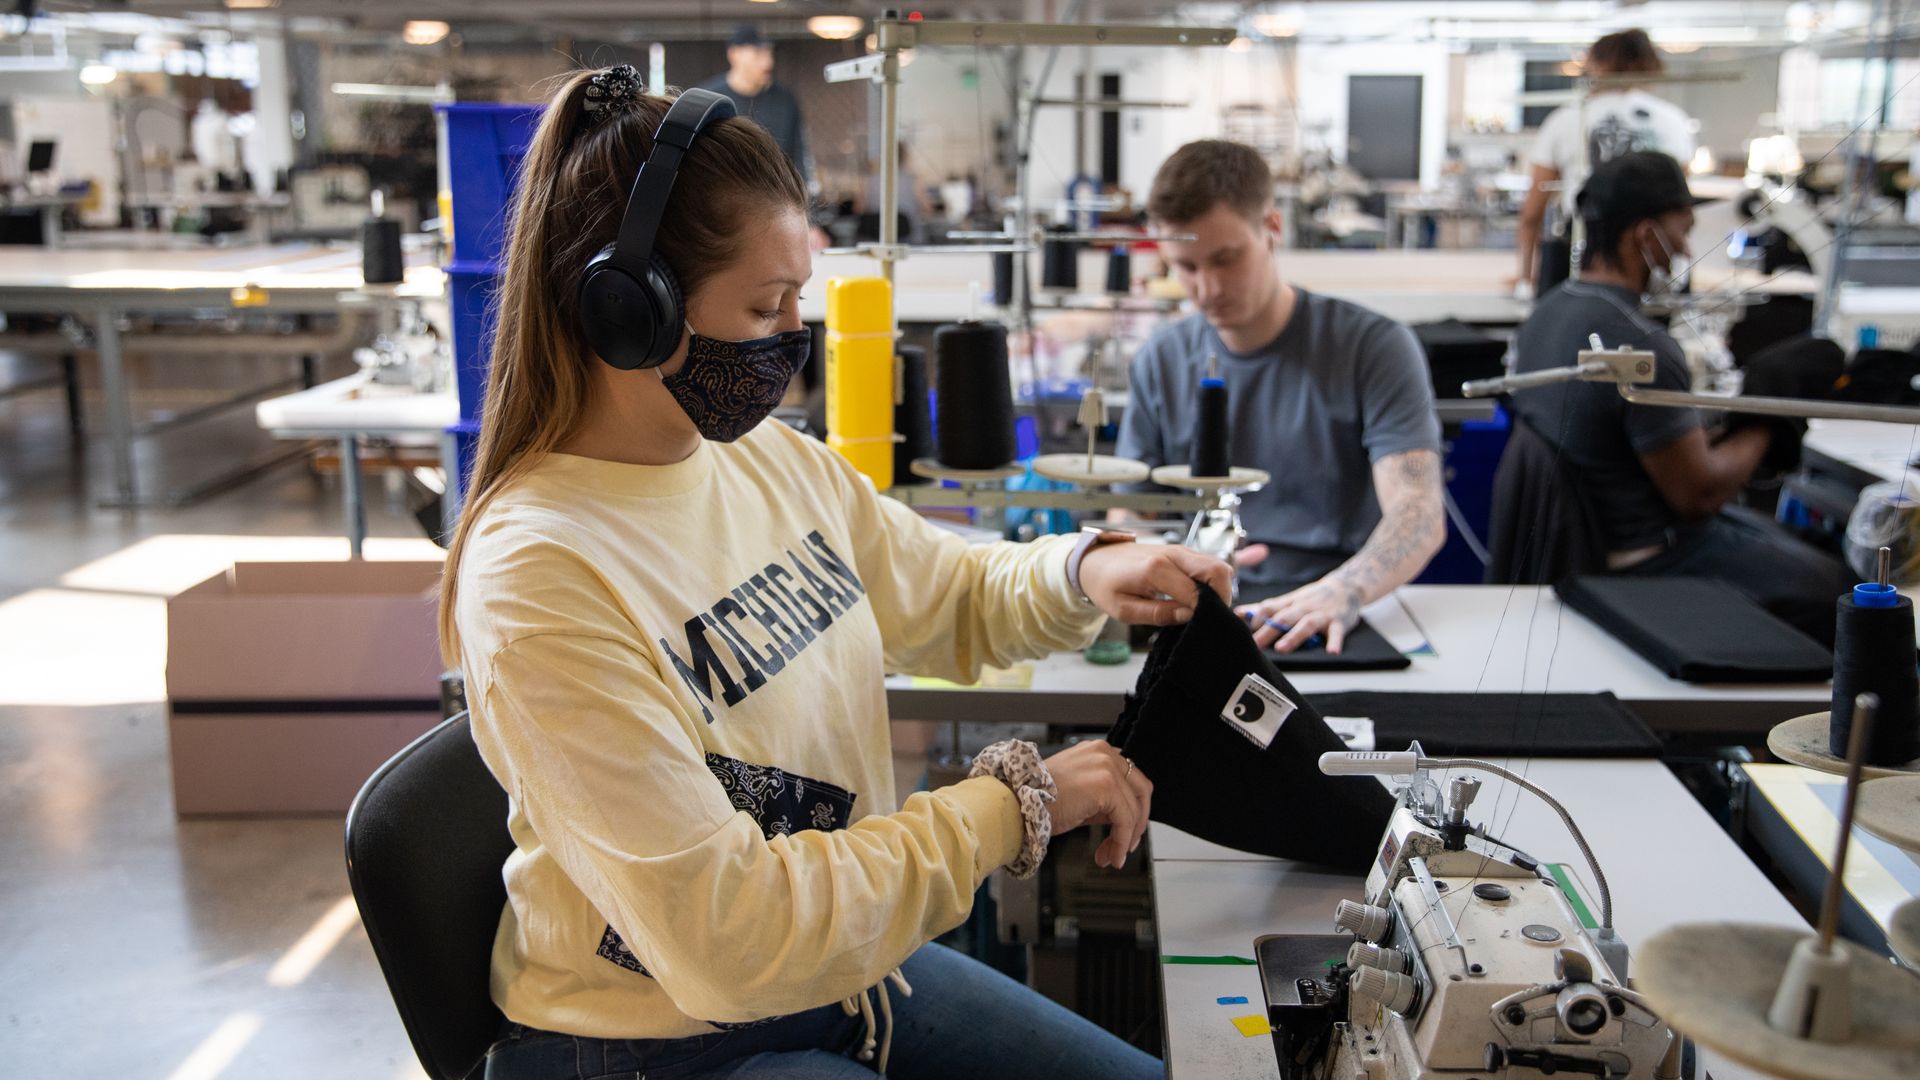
[(1659, 480), (748, 80)]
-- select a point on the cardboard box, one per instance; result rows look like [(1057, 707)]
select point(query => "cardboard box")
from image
[(289, 683)]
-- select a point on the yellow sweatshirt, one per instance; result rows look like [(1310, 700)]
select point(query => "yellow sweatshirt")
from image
[(676, 673)]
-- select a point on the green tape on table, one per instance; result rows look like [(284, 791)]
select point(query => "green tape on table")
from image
[(1241, 961)]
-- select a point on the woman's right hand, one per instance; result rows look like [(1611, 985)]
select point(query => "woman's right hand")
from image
[(1096, 786)]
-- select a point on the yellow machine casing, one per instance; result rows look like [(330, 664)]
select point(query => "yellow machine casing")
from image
[(860, 374)]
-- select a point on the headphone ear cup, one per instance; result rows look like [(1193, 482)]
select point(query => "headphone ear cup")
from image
[(617, 314), (670, 308)]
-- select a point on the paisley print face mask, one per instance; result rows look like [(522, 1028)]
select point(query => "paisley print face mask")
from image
[(727, 387)]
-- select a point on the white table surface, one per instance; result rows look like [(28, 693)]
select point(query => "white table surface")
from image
[(296, 267), (1667, 861), (1489, 638), (1880, 450), (355, 404)]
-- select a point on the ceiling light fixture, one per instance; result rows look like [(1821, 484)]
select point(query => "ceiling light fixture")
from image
[(836, 27), (1278, 24), (424, 32)]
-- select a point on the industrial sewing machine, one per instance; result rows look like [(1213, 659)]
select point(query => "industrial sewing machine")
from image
[(1466, 958)]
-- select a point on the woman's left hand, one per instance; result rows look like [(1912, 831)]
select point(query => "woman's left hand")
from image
[(1150, 584)]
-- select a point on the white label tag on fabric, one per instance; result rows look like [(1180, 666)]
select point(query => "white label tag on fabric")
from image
[(1355, 731), (1256, 710)]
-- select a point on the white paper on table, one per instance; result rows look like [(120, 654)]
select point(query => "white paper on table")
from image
[(1355, 731)]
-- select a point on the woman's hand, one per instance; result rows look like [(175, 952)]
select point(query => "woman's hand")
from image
[(1096, 786), (1129, 581)]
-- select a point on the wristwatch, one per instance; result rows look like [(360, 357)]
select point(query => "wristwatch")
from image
[(1091, 536)]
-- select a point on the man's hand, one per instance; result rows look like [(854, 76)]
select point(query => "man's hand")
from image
[(1328, 608), (1128, 581)]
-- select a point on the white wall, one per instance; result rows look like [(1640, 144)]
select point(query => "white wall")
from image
[(83, 126)]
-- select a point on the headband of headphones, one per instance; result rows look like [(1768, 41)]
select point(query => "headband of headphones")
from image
[(692, 111)]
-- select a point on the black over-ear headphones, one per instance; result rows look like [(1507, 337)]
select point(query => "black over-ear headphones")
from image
[(631, 309)]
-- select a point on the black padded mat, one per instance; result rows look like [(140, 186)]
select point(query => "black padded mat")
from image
[(1365, 649), (1698, 629), (1497, 725)]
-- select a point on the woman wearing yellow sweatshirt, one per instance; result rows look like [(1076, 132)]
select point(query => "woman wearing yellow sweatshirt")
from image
[(675, 620)]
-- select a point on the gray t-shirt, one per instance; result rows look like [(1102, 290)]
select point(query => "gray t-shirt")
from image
[(1601, 434), (1339, 389)]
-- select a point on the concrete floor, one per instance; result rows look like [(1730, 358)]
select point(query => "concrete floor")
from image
[(132, 944)]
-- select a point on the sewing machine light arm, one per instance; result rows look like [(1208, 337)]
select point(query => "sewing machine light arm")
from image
[(1624, 366), (1404, 763), (1631, 369), (1800, 408)]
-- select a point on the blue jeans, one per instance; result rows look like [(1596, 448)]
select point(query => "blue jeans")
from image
[(964, 1020), (1773, 568)]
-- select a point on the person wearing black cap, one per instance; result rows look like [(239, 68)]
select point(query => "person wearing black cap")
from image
[(1657, 478), (748, 80)]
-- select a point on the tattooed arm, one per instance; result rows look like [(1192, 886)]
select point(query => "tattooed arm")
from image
[(1412, 527)]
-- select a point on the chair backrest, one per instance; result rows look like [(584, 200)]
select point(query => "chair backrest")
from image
[(1543, 526), (426, 840)]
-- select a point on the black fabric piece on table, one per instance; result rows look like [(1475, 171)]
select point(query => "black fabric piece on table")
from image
[(1212, 781), (1365, 649), (1494, 725), (1698, 629)]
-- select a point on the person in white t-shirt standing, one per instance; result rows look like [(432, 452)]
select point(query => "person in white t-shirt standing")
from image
[(1619, 119)]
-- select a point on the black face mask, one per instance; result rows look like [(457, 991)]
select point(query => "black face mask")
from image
[(727, 387)]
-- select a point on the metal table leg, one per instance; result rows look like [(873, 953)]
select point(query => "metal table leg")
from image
[(76, 405), (113, 380), (350, 494), (450, 494)]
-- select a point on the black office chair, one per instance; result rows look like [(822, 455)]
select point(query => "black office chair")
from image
[(426, 838)]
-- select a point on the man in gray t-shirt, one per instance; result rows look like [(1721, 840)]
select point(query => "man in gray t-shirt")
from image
[(1333, 400)]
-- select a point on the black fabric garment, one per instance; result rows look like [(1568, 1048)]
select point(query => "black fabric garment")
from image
[(1492, 725), (1697, 629), (1212, 780), (1543, 526), (1881, 377), (1364, 649), (1803, 367)]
